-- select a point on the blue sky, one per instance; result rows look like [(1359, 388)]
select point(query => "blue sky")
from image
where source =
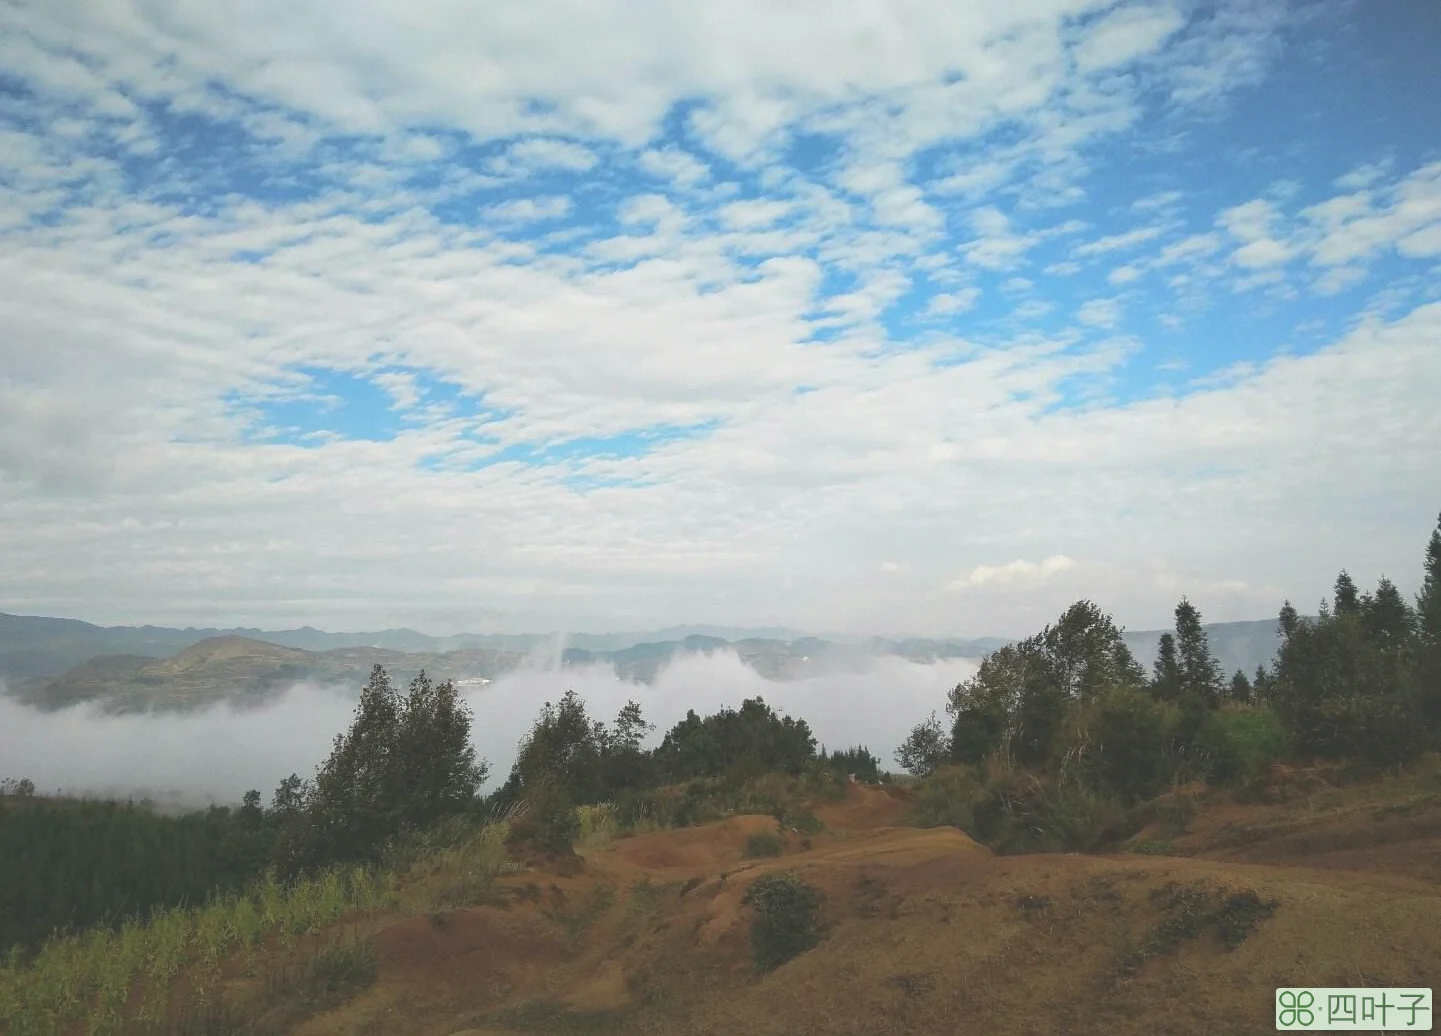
[(907, 318)]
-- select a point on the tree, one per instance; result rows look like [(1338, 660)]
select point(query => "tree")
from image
[(736, 744), (1288, 621), (1169, 678), (1201, 673), (435, 771), (563, 746), (1240, 690), (624, 763), (1428, 630), (1347, 601), (924, 749), (404, 763), (1130, 730), (1386, 617), (1022, 693)]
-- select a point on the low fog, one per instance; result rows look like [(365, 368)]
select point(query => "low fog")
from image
[(215, 755)]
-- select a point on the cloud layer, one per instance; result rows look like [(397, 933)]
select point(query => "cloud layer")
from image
[(829, 316), (218, 754)]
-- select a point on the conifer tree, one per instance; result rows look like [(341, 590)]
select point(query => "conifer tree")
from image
[(1169, 677), (1201, 673), (1288, 621), (1347, 601), (1240, 690), (1386, 617), (1428, 629)]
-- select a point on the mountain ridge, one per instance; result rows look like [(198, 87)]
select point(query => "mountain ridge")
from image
[(246, 670)]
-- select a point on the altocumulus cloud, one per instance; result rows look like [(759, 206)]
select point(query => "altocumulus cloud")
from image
[(725, 312)]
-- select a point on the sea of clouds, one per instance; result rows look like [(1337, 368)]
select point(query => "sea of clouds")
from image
[(215, 755)]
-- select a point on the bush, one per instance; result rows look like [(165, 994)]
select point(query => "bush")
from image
[(947, 799), (1129, 728), (1240, 744), (551, 824), (765, 843), (787, 918)]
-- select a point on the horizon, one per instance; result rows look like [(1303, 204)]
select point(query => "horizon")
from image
[(675, 628), (829, 317)]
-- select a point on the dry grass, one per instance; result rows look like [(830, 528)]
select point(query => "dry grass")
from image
[(922, 931)]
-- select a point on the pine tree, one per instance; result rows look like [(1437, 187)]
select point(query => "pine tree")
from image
[(1386, 617), (1169, 677), (1288, 621), (1347, 601), (1201, 673), (1428, 629), (1240, 690)]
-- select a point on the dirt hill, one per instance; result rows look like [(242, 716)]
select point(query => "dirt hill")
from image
[(928, 932)]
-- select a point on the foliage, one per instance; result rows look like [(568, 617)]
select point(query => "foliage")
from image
[(925, 749), (764, 843), (948, 799), (1240, 743), (787, 921), (1130, 732), (1022, 694), (1189, 911), (736, 744), (67, 865), (403, 764), (854, 760), (1348, 683), (551, 823)]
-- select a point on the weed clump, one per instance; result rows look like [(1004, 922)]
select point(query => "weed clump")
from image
[(764, 843), (1190, 911), (787, 921)]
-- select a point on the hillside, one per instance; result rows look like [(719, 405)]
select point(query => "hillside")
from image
[(925, 931), (238, 670)]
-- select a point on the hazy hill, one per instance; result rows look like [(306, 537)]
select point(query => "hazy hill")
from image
[(1237, 645), (52, 663)]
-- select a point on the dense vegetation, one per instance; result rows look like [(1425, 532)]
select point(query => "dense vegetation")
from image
[(1057, 734), (75, 864)]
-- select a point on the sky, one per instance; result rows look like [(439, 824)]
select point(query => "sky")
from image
[(900, 318)]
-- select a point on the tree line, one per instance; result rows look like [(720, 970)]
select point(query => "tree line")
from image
[(1360, 680)]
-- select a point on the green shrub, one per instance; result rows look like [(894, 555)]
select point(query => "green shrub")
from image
[(948, 798), (787, 921), (764, 843), (551, 823), (1129, 730), (1239, 744)]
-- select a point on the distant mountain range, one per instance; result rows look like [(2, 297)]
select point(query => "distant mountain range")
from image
[(53, 663)]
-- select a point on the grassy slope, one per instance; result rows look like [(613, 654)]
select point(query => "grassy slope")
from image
[(930, 933)]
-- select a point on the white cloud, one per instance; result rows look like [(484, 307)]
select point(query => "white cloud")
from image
[(1014, 574), (952, 302), (529, 209), (1125, 34), (535, 154), (1104, 313), (1115, 242), (673, 163), (754, 214), (1252, 224), (138, 318)]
